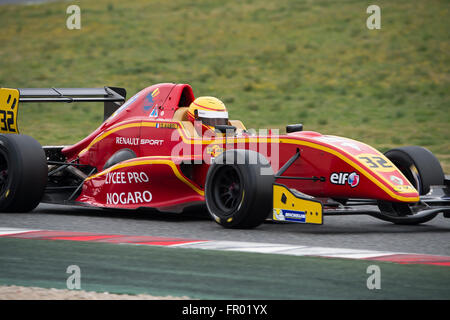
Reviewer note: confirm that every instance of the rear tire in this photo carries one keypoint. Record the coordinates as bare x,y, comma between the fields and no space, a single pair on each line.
237,194
23,173
119,156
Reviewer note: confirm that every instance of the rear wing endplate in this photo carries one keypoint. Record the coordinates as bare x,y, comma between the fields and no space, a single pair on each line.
112,97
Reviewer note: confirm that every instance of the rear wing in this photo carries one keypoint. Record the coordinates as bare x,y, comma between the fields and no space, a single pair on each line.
112,97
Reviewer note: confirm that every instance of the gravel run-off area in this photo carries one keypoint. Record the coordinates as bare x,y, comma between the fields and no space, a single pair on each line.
33,293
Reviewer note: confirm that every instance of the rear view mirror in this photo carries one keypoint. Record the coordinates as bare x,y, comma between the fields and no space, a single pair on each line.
294,128
223,128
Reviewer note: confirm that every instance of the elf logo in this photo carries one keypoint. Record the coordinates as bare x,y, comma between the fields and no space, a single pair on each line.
343,178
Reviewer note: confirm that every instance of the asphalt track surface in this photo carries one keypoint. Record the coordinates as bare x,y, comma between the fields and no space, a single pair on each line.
354,232
212,274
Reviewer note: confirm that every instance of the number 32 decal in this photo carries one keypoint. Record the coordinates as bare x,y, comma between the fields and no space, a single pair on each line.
7,121
9,105
377,162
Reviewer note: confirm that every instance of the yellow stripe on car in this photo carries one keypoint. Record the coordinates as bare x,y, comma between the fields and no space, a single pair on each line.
219,140
147,161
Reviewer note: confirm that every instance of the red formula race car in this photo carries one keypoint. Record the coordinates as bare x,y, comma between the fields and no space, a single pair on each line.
148,153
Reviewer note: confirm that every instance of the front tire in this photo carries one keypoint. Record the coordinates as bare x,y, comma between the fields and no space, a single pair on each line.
23,173
238,189
423,170
419,166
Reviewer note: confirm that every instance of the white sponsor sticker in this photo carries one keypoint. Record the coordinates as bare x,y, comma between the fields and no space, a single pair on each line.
152,142
213,114
396,180
129,197
128,141
137,141
126,177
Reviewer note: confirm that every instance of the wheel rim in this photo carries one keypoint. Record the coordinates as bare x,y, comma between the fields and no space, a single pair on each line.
404,210
417,183
399,210
227,189
411,173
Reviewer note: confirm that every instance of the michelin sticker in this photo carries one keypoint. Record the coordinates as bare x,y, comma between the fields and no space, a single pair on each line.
289,215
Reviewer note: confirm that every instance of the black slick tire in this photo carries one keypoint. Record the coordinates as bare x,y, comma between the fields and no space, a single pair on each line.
238,189
23,173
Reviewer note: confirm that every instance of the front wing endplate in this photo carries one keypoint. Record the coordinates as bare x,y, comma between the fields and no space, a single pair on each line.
293,207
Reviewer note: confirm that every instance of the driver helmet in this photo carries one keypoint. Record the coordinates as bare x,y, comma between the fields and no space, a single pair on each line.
207,112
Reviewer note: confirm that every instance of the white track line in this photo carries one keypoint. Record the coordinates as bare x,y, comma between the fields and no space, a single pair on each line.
9,231
286,249
261,247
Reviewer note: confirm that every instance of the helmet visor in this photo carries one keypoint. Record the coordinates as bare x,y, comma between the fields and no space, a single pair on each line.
213,118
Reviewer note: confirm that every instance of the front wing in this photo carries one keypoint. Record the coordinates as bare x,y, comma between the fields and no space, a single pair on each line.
290,205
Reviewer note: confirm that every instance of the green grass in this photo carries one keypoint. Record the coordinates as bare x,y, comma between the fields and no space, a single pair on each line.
272,63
